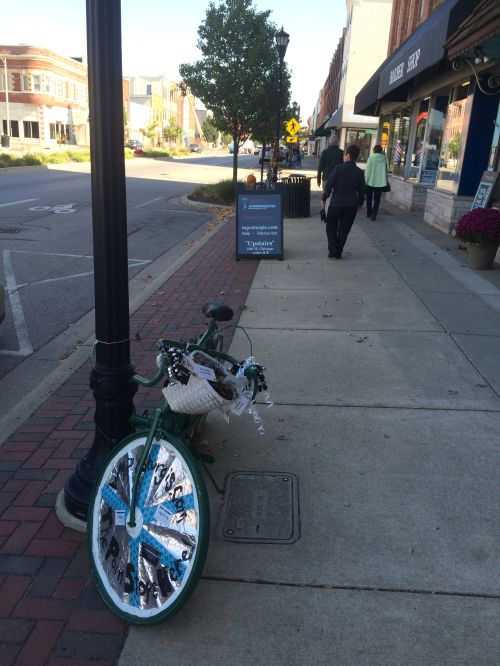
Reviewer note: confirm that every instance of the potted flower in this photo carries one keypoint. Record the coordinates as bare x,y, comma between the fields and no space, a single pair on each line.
479,231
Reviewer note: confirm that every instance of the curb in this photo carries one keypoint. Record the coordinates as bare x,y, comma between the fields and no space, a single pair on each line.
18,405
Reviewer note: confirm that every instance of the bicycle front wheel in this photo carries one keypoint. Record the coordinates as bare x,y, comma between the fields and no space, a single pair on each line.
146,572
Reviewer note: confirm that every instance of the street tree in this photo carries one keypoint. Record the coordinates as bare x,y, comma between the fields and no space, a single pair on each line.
173,131
210,131
237,76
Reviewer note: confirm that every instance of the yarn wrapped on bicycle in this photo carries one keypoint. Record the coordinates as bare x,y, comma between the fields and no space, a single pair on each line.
198,382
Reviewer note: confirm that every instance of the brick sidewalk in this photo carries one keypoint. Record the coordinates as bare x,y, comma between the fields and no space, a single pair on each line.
50,611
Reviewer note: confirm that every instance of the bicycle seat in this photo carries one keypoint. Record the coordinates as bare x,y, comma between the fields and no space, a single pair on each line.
218,311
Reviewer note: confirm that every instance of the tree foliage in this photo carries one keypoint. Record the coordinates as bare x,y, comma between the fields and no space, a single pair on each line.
210,131
237,76
173,131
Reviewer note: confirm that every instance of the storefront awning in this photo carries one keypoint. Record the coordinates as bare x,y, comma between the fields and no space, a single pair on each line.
335,120
424,48
366,101
321,131
481,27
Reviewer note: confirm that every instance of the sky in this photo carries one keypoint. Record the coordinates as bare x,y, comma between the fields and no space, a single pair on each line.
158,35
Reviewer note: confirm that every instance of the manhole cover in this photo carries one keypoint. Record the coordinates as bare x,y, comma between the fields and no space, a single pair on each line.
9,230
261,507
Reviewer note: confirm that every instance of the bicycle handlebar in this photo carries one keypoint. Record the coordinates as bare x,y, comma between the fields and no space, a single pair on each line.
250,372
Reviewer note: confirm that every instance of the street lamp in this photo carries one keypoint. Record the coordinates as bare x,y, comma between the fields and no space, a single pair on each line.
6,80
282,40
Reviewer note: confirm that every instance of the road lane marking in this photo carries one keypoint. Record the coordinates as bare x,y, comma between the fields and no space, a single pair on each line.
146,203
15,203
76,275
25,347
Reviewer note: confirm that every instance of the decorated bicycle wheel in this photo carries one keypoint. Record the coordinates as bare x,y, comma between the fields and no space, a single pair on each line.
145,573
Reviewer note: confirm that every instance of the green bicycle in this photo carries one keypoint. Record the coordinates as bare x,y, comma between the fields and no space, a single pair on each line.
148,524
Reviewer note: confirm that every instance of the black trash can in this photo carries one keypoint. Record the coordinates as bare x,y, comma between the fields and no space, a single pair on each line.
297,196
5,141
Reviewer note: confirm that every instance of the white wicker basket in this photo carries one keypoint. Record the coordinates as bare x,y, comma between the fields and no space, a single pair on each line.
199,396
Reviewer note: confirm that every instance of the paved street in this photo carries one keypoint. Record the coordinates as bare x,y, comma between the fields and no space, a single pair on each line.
46,257
383,369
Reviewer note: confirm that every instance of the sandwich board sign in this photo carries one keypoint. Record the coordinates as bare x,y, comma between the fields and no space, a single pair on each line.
259,223
485,189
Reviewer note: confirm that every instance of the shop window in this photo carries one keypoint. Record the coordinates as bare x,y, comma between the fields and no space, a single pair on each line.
398,142
31,129
14,128
494,161
418,146
433,139
362,138
449,158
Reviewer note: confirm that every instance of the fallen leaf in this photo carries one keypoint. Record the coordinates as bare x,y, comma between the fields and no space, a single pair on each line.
452,392
359,301
281,437
242,307
362,338
221,293
386,435
325,314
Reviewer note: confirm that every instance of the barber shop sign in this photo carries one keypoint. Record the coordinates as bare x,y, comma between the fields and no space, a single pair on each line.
399,71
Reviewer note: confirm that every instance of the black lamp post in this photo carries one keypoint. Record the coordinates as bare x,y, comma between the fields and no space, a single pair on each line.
282,40
111,374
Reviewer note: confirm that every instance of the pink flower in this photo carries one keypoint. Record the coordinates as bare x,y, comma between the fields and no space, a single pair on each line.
481,225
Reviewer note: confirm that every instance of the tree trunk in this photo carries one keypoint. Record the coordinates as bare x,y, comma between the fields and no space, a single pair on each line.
236,145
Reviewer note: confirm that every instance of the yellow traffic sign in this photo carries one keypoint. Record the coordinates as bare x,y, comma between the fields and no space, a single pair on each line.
292,139
292,126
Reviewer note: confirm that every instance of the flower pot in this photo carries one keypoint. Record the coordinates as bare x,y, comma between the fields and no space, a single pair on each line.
480,256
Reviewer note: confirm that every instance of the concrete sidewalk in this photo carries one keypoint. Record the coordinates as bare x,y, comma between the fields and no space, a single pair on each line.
384,369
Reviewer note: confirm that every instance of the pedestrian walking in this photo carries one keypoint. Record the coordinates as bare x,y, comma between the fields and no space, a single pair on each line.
376,181
346,184
329,159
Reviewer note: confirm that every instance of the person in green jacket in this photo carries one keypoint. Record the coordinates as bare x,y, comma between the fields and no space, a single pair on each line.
329,159
376,180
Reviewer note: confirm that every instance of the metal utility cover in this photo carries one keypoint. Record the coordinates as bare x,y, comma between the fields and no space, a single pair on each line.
261,507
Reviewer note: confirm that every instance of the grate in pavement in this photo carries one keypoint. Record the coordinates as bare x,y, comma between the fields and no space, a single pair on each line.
261,507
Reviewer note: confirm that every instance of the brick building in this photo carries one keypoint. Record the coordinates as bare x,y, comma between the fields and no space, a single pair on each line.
46,100
437,99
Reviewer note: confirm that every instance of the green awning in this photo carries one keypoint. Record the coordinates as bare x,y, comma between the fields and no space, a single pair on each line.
321,131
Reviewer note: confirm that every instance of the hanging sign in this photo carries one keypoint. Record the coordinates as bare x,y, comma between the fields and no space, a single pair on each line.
259,222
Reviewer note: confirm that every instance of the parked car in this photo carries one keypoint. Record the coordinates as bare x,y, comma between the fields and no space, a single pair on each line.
195,148
2,302
263,159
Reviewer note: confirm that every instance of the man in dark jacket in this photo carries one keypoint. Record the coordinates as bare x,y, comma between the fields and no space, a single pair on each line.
346,184
329,159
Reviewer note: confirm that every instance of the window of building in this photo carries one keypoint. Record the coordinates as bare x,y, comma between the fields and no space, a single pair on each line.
398,141
48,84
148,89
36,83
385,132
58,87
14,128
494,161
418,145
433,139
2,81
362,139
26,82
31,129
449,159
